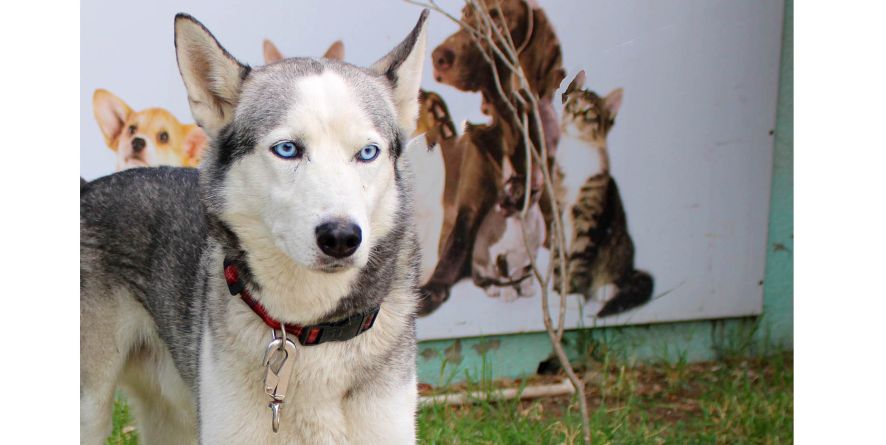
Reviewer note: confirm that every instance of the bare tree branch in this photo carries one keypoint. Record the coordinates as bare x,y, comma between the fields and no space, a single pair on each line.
496,46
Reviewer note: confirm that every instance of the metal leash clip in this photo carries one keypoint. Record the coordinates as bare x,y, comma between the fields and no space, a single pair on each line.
278,362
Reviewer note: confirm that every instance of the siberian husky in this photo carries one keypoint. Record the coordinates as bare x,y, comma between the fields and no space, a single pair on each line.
300,214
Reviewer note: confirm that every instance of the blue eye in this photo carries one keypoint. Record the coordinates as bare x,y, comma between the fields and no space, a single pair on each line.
368,153
287,150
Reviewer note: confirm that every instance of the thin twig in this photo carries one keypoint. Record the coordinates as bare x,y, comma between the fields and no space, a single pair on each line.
514,65
497,46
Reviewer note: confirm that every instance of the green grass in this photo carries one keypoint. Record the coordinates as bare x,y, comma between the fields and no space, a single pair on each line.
731,401
123,432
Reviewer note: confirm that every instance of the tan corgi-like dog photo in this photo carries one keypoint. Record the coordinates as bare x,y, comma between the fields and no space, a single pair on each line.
146,138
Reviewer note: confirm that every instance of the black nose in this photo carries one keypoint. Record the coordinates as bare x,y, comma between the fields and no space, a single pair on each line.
138,144
338,239
443,58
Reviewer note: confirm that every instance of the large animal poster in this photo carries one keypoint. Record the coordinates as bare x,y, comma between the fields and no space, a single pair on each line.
660,117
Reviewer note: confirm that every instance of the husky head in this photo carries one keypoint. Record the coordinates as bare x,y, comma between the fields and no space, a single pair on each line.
305,154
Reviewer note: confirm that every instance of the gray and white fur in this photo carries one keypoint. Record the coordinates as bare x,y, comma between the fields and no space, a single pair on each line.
156,316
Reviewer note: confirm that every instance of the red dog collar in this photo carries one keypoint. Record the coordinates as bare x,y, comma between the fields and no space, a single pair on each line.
340,330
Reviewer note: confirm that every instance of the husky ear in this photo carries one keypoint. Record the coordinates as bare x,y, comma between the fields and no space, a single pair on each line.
110,113
272,54
336,51
402,68
613,101
575,85
211,75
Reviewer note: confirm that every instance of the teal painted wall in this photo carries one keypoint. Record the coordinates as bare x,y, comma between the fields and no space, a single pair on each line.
443,361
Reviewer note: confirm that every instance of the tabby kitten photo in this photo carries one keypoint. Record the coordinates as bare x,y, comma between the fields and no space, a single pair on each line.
600,251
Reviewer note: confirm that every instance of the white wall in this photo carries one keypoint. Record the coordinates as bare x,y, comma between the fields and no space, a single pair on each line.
691,149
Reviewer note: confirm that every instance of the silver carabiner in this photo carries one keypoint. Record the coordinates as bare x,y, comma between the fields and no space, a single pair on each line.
278,362
275,414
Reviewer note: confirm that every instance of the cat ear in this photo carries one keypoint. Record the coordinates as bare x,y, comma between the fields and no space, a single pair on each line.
336,51
575,85
613,102
270,51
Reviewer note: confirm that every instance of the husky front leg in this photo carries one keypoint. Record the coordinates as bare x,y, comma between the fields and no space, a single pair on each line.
109,326
96,404
382,415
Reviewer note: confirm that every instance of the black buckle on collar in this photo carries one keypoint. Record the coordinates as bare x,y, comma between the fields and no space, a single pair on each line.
339,331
